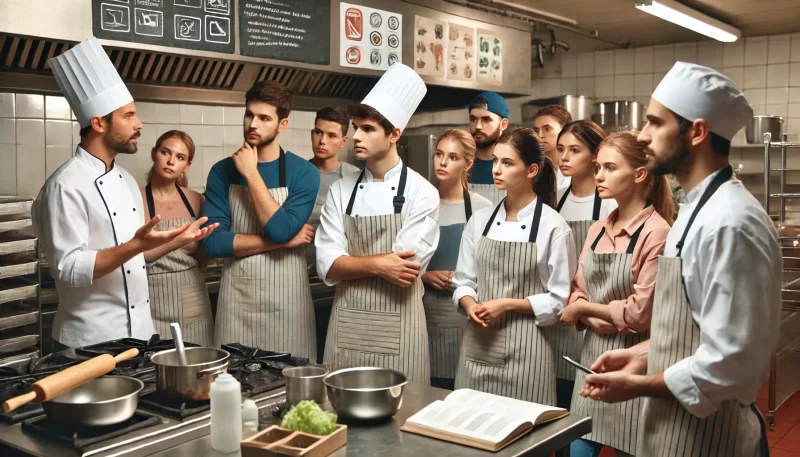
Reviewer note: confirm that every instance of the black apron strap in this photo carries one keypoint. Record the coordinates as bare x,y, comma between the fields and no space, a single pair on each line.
634,240
491,219
537,217
353,193
282,169
722,177
398,200
185,201
151,204
597,204
597,240
467,204
563,198
763,445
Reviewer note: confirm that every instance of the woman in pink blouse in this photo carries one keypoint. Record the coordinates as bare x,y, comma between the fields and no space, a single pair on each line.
612,292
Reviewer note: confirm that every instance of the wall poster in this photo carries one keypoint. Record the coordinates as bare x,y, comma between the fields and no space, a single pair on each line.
490,58
429,46
369,37
461,58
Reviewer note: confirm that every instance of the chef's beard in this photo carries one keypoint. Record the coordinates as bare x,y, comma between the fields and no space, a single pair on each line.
121,145
674,161
265,141
489,141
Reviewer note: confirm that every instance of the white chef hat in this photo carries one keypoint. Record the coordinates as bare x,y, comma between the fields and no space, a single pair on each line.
89,81
397,94
693,92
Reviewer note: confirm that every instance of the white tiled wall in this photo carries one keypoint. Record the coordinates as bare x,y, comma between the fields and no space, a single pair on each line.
38,133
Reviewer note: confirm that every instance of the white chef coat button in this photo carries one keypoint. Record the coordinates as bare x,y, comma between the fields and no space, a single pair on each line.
129,271
523,227
498,222
134,209
120,176
115,214
133,307
148,301
392,188
143,267
361,186
101,183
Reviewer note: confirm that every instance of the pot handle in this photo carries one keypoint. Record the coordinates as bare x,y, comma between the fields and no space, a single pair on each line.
212,371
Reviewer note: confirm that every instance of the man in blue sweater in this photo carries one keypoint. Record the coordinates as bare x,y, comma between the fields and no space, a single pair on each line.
262,197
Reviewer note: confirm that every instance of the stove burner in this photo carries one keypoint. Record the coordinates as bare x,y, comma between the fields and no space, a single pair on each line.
14,382
79,438
146,348
171,407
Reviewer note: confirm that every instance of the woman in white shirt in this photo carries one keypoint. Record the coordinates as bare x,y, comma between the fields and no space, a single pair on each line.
452,162
579,203
513,277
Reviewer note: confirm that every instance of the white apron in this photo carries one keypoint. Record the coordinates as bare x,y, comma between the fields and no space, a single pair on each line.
374,322
513,357
490,191
566,340
177,288
265,299
667,428
608,277
445,324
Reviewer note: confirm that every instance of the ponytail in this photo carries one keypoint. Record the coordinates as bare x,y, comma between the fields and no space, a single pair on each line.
661,196
531,149
545,183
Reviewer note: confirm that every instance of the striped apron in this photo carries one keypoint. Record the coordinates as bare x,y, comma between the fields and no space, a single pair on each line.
513,357
445,323
374,322
177,288
667,429
566,340
265,299
608,277
490,191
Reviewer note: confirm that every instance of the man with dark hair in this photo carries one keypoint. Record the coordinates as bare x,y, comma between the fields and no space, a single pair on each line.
488,119
548,123
717,303
262,197
377,234
88,215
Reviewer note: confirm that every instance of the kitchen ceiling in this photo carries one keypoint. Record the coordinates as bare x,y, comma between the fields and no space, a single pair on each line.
619,20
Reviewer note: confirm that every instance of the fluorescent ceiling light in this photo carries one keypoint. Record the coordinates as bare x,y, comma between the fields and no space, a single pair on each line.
682,15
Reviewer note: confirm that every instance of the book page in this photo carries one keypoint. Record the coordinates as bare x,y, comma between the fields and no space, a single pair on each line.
467,421
495,403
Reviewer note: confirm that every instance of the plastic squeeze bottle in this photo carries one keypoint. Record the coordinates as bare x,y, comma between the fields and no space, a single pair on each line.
226,413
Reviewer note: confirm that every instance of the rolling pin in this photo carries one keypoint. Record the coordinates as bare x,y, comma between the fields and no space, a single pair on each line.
56,384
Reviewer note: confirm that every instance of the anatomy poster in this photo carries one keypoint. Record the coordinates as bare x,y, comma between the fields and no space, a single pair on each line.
461,59
490,58
429,46
370,38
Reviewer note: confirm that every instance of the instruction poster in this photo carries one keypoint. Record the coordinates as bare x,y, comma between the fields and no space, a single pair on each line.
461,58
369,37
490,58
429,46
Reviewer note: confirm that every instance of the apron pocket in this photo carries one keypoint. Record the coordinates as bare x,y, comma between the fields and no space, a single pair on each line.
196,306
486,346
368,331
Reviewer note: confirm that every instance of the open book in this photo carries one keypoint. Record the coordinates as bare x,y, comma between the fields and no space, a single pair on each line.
480,420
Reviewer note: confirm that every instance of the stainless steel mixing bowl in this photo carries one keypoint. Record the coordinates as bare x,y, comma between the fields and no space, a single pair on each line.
102,401
366,393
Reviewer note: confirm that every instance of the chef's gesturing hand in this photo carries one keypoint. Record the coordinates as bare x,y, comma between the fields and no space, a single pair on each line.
397,269
303,237
184,234
246,160
196,232
439,279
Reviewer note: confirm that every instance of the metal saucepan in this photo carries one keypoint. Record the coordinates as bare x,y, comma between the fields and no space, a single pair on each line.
193,380
761,124
305,383
101,401
366,393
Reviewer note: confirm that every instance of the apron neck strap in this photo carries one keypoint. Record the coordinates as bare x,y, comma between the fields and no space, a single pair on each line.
151,204
398,200
282,169
634,238
537,218
595,208
564,198
722,177
467,204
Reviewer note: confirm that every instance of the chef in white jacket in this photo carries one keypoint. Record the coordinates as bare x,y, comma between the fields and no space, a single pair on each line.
716,308
378,232
88,215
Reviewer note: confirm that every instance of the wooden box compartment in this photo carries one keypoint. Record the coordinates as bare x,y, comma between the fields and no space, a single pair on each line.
277,442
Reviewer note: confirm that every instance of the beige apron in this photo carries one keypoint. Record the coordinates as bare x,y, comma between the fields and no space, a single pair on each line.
177,288
513,357
265,299
667,428
566,340
374,322
445,324
608,277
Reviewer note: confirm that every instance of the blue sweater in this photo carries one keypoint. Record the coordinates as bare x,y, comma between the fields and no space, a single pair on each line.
482,172
302,179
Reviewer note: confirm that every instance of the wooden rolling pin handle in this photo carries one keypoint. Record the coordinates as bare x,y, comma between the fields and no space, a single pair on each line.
123,356
13,403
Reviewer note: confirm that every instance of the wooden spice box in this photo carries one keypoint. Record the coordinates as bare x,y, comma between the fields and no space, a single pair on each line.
278,442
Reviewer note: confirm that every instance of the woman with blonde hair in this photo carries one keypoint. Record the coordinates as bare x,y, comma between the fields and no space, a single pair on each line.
612,292
452,162
177,289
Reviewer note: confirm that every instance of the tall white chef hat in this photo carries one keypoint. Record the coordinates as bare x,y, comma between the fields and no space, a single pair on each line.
397,94
89,81
693,92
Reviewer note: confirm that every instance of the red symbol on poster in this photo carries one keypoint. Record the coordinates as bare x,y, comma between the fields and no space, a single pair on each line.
353,55
353,24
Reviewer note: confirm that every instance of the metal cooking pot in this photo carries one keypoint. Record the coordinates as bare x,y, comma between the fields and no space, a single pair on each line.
618,116
305,383
366,393
759,125
102,401
191,381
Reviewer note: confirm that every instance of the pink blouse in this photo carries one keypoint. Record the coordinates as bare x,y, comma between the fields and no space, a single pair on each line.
632,314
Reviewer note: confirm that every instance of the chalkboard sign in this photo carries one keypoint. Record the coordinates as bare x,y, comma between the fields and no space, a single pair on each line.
296,30
205,25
